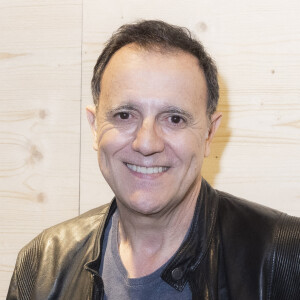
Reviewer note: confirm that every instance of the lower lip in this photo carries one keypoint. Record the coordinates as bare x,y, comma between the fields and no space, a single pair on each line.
146,176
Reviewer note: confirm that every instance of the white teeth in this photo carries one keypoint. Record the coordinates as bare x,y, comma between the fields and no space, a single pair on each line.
145,170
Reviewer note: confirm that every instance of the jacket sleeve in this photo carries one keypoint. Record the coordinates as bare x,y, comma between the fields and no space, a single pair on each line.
13,293
285,282
25,272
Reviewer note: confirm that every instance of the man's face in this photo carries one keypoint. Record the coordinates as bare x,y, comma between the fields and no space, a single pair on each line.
151,130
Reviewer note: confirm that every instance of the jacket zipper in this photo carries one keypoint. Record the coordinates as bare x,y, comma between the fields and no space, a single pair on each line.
98,290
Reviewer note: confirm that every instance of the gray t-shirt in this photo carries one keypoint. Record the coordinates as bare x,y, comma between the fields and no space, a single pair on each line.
117,285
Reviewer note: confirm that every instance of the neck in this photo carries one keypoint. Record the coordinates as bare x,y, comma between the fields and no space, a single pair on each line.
146,242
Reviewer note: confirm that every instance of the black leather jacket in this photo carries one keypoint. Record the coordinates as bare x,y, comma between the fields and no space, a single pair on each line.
235,250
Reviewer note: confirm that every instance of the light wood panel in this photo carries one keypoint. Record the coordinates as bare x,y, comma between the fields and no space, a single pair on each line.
40,88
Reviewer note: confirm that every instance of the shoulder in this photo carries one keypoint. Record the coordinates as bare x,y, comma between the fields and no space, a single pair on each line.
240,214
262,238
249,219
235,211
80,226
247,227
56,249
66,238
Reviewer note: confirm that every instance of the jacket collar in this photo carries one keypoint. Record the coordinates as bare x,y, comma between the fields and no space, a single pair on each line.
191,252
94,265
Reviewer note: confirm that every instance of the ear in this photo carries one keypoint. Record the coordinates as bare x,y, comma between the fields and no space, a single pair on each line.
91,116
215,122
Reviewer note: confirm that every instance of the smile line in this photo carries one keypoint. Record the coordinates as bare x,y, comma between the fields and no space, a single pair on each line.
146,170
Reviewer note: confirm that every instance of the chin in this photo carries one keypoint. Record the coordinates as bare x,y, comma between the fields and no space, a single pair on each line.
143,205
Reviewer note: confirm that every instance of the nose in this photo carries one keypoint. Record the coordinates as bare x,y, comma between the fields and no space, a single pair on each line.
148,139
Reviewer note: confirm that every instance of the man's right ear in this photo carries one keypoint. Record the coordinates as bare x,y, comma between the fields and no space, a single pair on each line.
91,116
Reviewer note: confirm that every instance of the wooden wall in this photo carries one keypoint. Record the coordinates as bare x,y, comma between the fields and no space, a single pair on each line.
48,169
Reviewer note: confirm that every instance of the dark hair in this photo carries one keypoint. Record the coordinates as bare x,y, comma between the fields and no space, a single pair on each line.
151,34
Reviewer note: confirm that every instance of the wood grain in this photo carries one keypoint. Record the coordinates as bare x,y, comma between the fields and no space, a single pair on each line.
40,90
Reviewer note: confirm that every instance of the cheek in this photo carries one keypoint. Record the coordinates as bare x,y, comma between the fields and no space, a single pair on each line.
190,151
109,133
191,143
110,142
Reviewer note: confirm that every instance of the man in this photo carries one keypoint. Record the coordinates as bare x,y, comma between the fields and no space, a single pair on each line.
167,234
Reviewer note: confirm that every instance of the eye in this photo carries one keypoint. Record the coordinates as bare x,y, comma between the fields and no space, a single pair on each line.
175,119
123,115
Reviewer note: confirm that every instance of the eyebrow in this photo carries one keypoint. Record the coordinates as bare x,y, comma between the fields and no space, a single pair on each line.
122,107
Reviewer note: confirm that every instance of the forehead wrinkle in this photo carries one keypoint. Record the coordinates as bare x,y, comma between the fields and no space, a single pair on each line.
136,55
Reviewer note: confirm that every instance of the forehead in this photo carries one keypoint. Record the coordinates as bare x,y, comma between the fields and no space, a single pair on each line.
173,77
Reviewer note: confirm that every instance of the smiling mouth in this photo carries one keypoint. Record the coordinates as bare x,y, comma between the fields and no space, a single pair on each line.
146,170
